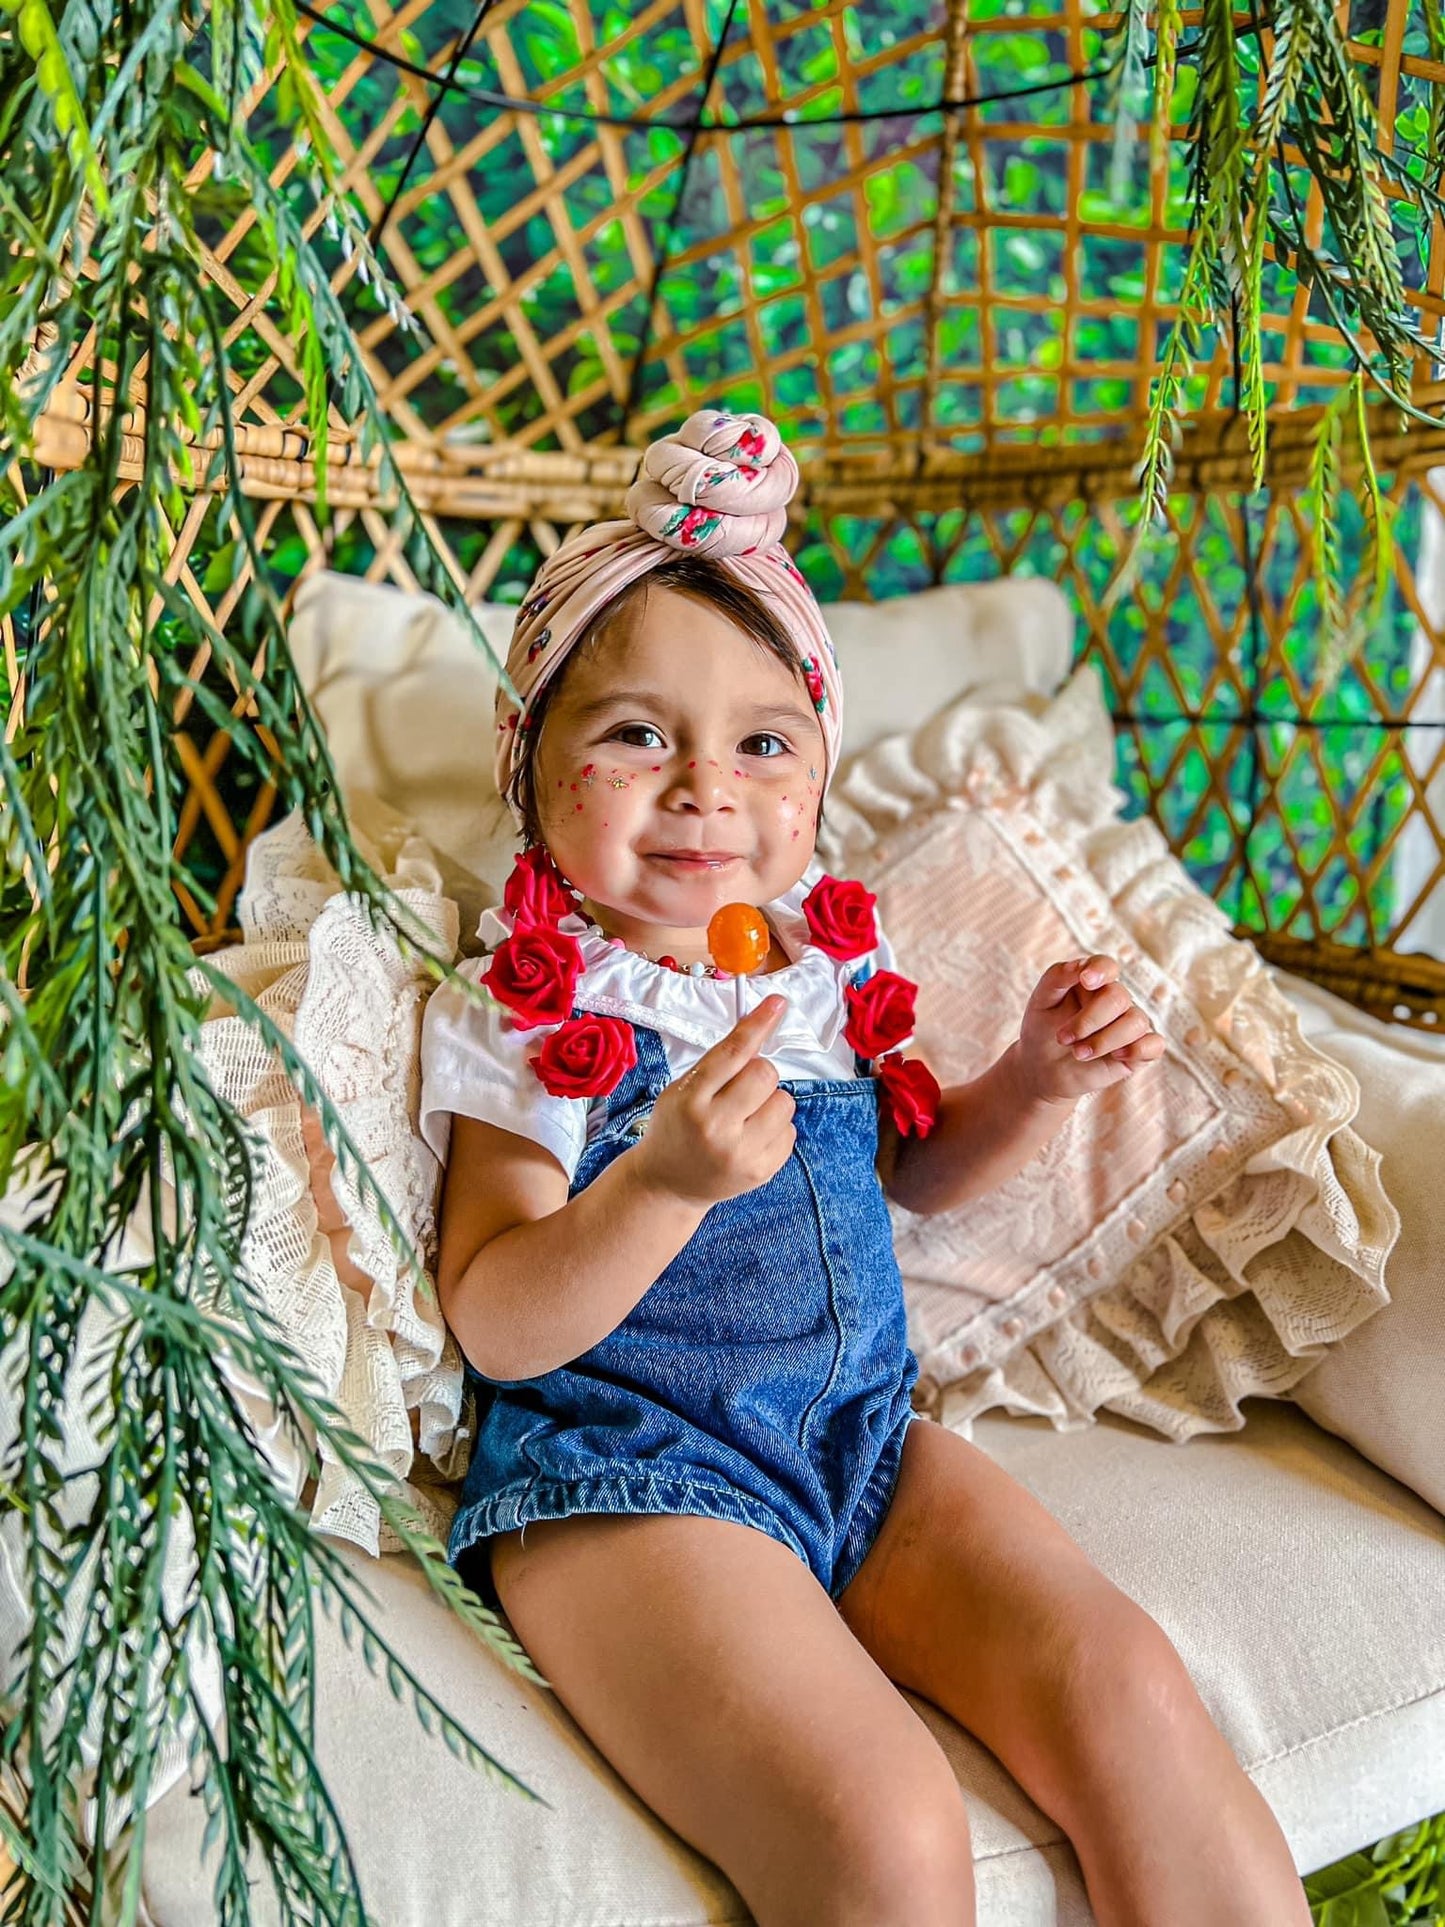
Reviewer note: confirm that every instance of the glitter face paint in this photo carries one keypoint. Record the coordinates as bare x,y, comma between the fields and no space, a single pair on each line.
708,754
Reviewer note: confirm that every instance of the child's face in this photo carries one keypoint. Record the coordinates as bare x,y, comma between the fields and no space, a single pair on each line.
704,742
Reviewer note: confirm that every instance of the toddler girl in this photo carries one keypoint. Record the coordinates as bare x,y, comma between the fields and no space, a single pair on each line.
665,1254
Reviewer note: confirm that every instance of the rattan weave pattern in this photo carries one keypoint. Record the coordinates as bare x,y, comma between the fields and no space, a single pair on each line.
960,348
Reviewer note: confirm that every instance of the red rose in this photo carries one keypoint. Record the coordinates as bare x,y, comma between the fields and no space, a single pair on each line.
586,1057
534,892
912,1091
840,917
534,972
880,1013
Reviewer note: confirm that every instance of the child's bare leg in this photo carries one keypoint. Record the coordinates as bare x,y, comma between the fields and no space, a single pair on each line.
1169,1829
707,1664
974,1596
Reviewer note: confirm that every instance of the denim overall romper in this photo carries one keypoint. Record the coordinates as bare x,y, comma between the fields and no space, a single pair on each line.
764,1377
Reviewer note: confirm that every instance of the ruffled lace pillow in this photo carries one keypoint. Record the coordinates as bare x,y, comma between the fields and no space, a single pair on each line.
1195,1235
315,1247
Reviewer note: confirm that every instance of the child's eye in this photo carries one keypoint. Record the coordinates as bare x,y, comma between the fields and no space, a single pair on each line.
766,736
633,729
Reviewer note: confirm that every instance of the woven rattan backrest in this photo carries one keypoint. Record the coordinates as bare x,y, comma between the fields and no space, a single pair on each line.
953,323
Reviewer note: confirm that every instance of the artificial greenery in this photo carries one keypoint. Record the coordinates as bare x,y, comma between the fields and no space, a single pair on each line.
106,117
106,1108
1277,110
1400,1882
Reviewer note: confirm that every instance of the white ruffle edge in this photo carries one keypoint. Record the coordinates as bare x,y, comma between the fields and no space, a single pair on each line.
351,1002
1242,1294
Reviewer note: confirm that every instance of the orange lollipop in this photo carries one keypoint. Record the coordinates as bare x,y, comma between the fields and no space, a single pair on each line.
739,939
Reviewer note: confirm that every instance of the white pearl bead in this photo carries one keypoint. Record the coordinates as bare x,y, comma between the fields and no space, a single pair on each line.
696,969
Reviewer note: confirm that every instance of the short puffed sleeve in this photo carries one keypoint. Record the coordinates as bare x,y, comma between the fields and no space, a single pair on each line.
474,1060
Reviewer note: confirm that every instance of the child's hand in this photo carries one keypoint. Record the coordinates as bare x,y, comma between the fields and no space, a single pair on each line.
725,1126
1082,1031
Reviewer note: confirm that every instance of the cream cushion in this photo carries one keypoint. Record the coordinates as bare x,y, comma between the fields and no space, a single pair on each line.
1381,1389
405,695
1193,1236
1300,1585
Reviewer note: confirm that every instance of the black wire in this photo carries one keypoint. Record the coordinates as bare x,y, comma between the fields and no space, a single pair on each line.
463,45
664,246
1256,718
489,97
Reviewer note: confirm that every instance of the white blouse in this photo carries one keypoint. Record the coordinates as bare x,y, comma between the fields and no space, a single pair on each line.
474,1059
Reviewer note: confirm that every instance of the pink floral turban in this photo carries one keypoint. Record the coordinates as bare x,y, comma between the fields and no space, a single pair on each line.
720,486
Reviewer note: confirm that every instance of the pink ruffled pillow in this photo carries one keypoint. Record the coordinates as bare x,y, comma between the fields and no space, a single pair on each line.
1194,1236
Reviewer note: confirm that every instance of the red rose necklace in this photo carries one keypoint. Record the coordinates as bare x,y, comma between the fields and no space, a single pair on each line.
534,973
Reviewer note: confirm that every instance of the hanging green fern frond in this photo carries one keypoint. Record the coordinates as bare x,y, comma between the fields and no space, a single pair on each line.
52,74
1127,96
1253,399
1169,22
106,1112
1181,350
1321,504
1335,129
1293,24
1308,106
1370,589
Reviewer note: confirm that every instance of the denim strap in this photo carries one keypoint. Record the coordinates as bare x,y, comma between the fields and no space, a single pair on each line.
641,1083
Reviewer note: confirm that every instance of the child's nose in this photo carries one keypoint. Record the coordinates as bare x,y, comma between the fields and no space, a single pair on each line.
705,784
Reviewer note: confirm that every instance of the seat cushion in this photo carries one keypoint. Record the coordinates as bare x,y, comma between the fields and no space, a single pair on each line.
1300,1584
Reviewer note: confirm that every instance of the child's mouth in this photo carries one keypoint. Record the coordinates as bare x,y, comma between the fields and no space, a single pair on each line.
680,860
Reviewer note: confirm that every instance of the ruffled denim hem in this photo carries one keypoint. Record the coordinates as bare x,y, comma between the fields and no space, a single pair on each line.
630,1490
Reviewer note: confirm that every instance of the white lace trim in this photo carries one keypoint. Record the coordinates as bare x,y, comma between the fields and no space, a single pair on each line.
352,1004
1276,1256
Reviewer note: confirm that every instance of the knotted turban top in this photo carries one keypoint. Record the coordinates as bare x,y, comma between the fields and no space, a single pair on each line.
720,486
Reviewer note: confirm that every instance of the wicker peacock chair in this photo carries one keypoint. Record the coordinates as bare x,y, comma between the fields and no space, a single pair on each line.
888,226
950,320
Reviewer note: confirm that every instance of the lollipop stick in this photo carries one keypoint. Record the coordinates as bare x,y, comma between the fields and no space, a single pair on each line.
738,938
